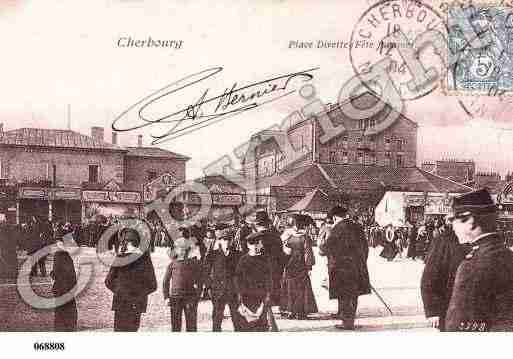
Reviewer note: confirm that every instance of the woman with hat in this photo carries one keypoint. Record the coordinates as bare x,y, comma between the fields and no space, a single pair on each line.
298,297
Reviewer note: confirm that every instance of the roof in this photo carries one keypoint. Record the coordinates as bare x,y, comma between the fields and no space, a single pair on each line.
154,152
104,186
314,201
220,184
283,178
53,138
406,179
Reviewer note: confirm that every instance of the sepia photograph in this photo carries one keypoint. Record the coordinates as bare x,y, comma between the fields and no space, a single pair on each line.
335,167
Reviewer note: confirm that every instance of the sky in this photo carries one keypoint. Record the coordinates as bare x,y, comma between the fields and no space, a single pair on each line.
60,53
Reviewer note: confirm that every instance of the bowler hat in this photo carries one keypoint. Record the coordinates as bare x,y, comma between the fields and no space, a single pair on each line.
475,202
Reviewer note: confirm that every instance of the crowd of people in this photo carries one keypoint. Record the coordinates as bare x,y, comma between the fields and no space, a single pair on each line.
251,267
254,266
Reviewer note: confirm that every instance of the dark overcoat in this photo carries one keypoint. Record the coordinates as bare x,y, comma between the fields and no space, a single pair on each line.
220,273
273,251
131,284
482,298
65,279
436,285
347,252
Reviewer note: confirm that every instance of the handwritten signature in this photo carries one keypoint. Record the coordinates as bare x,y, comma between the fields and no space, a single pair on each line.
204,111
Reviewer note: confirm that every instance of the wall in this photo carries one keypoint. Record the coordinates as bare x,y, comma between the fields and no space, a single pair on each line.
136,169
402,129
72,166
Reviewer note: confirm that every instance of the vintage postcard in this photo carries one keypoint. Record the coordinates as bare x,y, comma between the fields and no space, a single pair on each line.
255,166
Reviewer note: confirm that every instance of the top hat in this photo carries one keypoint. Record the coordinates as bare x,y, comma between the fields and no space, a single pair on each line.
475,202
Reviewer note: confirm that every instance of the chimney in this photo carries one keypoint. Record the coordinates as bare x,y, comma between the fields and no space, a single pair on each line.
97,133
114,138
139,141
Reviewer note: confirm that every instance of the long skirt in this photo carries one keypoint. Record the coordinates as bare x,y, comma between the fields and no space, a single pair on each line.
297,295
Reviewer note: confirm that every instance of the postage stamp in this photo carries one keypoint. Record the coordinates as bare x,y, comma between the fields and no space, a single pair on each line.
480,47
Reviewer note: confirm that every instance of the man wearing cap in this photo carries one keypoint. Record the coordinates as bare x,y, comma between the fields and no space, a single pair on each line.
220,266
482,298
437,281
272,249
348,274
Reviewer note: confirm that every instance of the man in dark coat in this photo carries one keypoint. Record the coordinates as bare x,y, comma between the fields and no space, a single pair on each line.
130,282
482,299
442,261
8,256
220,266
36,239
347,251
272,249
65,280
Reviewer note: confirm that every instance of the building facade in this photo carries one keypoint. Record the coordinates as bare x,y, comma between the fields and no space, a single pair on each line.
461,171
67,176
396,146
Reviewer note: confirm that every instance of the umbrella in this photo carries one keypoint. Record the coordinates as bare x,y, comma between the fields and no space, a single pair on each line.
314,201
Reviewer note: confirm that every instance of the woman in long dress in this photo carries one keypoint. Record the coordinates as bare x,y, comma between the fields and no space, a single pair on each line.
297,294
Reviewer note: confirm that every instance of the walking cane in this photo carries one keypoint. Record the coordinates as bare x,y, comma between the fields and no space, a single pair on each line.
381,299
272,320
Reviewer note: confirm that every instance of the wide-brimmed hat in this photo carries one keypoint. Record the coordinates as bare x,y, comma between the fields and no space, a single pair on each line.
475,202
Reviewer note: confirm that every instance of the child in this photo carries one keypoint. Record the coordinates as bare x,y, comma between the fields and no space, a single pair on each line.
182,285
253,282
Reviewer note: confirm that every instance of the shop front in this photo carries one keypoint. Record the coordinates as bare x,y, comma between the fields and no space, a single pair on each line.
110,204
34,201
66,205
400,208
8,195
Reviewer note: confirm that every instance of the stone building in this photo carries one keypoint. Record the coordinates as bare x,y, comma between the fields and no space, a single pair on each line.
68,176
396,146
358,165
461,171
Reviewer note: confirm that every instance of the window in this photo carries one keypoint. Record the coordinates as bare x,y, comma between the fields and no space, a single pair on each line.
388,157
372,123
345,158
1,167
387,144
280,161
333,157
360,157
400,162
93,173
370,158
152,174
360,124
366,124
399,145
54,176
344,141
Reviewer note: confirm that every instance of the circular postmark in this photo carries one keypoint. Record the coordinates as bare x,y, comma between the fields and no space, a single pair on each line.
397,29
